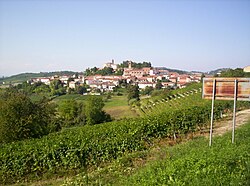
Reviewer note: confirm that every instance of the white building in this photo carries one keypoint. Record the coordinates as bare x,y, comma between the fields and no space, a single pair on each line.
111,65
247,69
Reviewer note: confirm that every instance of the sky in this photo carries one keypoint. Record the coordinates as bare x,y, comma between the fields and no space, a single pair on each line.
56,35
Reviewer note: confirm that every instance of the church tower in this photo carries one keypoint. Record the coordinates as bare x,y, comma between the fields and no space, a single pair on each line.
130,64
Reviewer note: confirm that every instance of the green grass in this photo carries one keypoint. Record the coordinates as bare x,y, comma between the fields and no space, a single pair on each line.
194,163
187,163
117,106
70,96
116,101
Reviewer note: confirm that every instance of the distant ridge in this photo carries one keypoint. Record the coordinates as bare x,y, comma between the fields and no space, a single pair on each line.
213,72
26,76
173,70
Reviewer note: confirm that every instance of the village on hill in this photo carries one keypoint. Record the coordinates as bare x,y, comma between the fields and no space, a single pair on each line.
143,75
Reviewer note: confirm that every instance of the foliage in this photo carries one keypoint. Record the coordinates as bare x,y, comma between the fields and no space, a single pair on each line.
79,147
93,111
158,85
185,163
238,72
148,90
57,87
37,87
20,118
81,89
93,71
133,92
162,93
194,163
71,112
134,64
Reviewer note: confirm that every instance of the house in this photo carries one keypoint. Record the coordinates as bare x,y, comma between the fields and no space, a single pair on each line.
143,85
64,79
173,79
111,65
173,74
136,72
142,79
72,84
43,80
184,79
167,84
246,69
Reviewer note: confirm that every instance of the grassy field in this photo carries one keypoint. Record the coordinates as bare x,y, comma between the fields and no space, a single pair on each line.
118,107
195,163
188,163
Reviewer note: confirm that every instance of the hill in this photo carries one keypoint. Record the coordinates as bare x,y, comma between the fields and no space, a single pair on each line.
213,72
26,76
172,70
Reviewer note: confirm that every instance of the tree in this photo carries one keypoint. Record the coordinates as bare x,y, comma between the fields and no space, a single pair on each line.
81,89
133,92
20,118
93,111
134,64
158,85
71,113
202,77
119,72
106,71
57,87
238,72
148,90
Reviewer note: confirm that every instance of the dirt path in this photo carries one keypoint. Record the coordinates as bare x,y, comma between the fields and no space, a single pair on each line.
221,127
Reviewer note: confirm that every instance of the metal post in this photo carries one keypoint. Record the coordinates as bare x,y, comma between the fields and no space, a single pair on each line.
234,114
212,112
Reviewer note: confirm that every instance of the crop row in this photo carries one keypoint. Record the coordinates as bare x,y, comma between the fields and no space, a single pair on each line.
77,148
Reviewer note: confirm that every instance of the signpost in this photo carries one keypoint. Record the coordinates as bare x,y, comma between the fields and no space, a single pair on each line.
225,89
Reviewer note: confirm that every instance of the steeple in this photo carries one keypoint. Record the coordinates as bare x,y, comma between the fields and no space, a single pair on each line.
130,64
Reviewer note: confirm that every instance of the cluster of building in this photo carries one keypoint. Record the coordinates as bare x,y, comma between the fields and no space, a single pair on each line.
143,77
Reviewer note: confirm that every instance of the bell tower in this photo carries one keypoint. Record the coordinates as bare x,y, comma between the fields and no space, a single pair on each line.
130,64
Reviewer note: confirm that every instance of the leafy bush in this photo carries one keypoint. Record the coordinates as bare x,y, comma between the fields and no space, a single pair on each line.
20,118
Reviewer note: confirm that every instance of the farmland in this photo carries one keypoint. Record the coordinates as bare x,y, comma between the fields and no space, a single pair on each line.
195,163
116,106
190,162
82,149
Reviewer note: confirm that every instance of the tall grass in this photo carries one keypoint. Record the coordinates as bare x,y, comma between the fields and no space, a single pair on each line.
194,163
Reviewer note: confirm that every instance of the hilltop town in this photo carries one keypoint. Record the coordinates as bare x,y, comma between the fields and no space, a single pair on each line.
141,74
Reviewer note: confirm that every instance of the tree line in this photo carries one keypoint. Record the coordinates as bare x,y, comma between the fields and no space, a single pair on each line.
110,71
21,118
238,72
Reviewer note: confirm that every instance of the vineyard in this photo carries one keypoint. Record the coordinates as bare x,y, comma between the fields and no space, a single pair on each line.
175,99
75,149
196,164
